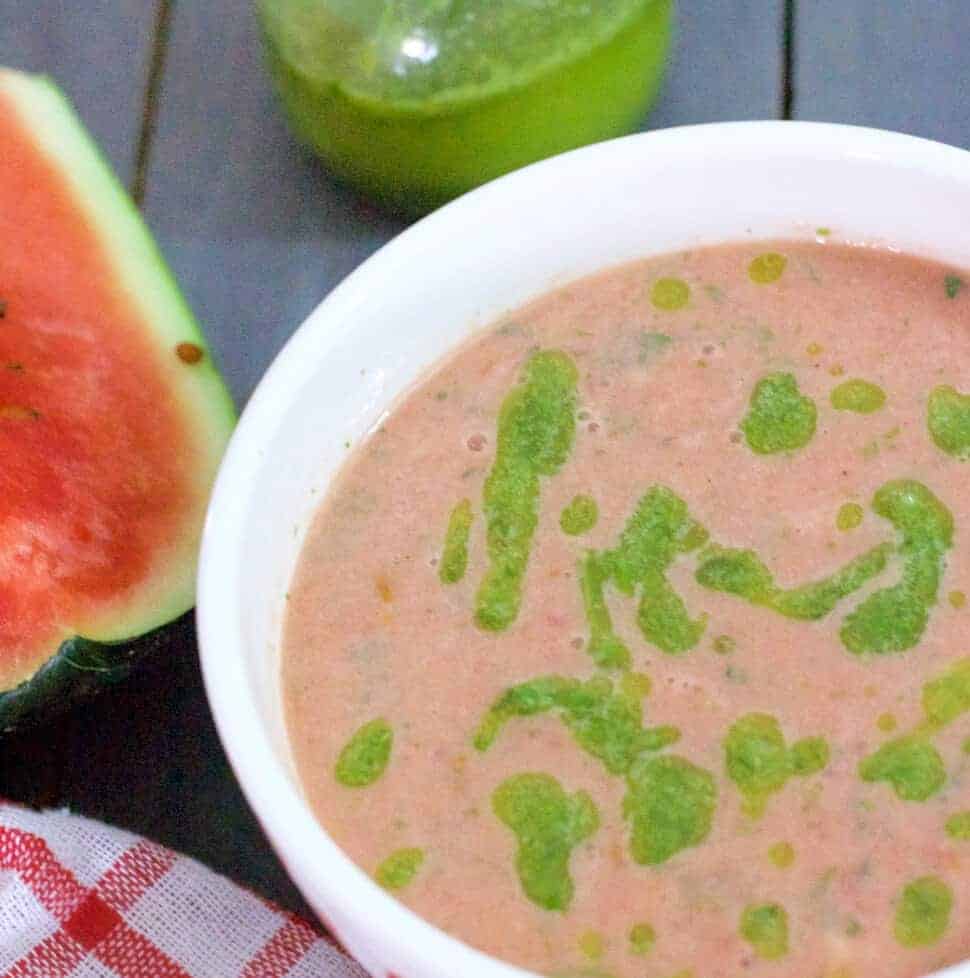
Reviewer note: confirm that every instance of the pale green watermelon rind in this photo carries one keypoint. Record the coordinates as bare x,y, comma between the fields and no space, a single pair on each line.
141,272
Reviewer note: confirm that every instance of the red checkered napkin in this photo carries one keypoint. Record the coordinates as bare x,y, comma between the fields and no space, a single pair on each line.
81,900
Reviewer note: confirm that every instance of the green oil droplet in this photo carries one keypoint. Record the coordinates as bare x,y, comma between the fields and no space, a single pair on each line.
579,516
767,268
782,854
886,723
947,697
724,645
365,756
850,516
859,396
780,418
399,869
923,912
948,418
592,944
765,928
642,939
958,826
958,599
636,684
670,294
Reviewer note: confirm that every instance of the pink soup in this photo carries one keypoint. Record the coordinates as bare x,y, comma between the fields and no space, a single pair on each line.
634,643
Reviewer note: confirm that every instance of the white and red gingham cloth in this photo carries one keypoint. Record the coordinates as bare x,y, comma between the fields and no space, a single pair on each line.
81,900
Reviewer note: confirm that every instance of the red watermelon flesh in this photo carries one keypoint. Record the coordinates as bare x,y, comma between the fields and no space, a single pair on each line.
112,416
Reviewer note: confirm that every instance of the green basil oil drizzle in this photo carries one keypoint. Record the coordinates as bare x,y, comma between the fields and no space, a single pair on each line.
911,764
658,531
454,558
958,826
365,756
399,869
953,285
536,427
765,928
893,619
760,763
743,574
948,419
670,803
548,824
780,418
923,912
579,516
606,723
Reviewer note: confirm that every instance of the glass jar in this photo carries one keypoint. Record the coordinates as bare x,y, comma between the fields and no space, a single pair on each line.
416,101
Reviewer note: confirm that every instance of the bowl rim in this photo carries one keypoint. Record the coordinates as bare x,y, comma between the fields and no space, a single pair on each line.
290,825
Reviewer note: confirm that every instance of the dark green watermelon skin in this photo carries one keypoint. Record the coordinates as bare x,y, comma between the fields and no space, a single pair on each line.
81,668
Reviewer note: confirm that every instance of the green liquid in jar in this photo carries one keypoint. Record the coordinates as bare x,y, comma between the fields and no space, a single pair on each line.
416,101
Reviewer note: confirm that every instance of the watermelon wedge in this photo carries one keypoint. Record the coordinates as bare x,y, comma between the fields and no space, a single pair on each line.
113,417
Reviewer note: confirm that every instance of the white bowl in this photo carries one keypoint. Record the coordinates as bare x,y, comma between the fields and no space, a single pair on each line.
379,331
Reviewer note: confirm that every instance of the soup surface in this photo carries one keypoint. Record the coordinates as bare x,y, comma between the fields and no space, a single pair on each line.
634,642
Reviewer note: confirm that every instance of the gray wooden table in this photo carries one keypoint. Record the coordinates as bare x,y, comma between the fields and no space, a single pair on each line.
258,234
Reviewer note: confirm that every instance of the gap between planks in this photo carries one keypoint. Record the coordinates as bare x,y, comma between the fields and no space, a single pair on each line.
149,115
788,59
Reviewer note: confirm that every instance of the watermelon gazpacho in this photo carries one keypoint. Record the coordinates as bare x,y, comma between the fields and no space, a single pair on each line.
632,643
112,415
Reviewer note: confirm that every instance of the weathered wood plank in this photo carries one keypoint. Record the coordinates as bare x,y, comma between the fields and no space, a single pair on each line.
902,65
99,55
255,229
727,64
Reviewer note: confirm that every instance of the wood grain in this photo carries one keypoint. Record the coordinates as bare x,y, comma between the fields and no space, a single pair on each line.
902,65
727,64
99,53
256,230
